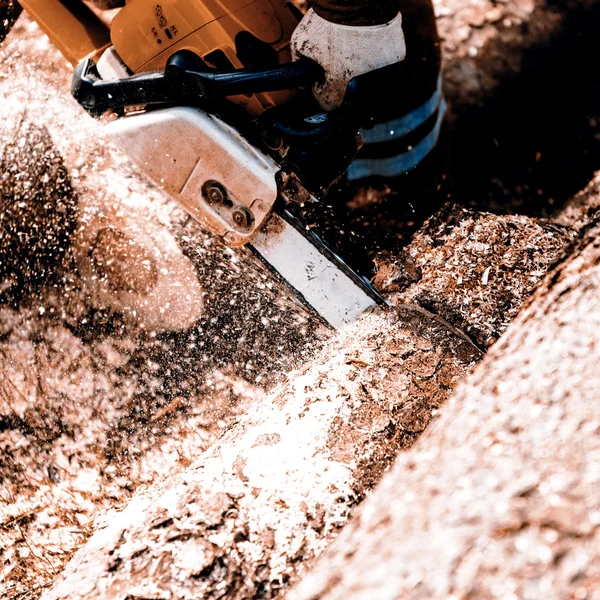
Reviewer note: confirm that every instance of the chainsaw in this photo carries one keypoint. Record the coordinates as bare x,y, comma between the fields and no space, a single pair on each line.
247,111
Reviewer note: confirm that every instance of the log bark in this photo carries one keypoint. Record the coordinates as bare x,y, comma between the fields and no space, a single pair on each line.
277,487
254,512
579,211
502,497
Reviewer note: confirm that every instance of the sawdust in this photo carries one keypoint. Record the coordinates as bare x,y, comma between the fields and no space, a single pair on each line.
294,465
476,269
35,182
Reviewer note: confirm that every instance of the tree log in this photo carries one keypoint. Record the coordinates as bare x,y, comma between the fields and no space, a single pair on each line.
578,212
255,511
502,497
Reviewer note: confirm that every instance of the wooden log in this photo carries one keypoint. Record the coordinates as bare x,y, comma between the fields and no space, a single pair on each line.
578,212
279,484
502,497
254,512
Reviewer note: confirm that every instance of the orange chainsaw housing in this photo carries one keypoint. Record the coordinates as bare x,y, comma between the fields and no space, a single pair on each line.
145,33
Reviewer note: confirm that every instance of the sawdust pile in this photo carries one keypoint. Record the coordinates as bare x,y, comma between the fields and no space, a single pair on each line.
476,270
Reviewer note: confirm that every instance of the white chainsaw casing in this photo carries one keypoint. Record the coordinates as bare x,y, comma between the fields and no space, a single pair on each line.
181,149
346,51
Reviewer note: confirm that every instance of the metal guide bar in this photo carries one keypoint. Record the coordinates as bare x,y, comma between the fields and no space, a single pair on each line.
322,279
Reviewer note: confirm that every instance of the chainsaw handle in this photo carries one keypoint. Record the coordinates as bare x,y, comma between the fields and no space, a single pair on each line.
97,96
186,80
186,68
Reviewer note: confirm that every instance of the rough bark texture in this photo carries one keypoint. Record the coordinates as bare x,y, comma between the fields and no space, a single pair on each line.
502,497
583,207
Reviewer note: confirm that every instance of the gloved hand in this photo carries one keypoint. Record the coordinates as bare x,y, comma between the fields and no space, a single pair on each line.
354,37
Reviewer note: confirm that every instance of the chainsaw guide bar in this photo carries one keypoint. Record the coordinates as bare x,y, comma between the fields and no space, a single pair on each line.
319,276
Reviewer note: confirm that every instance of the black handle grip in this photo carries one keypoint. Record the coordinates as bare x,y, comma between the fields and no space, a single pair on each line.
186,80
187,69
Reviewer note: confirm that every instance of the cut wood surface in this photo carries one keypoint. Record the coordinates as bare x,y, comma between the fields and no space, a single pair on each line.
502,497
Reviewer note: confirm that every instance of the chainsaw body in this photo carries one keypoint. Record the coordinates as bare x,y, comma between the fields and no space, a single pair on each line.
214,110
145,33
